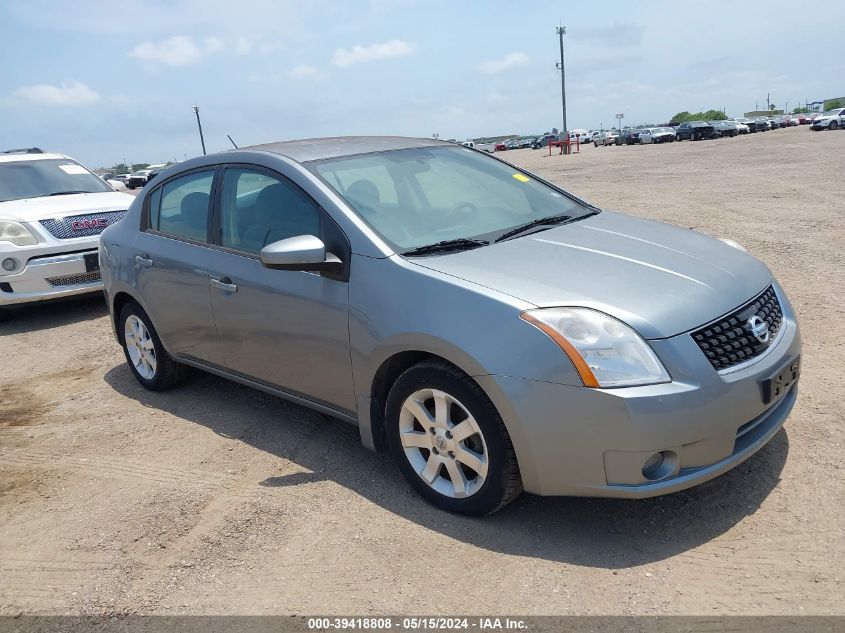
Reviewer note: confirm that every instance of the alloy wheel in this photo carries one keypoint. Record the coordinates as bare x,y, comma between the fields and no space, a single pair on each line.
140,346
443,443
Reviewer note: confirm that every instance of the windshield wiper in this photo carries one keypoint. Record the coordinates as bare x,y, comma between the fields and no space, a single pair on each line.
549,221
460,244
65,193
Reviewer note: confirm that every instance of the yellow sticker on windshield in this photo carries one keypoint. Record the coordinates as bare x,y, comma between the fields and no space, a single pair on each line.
521,177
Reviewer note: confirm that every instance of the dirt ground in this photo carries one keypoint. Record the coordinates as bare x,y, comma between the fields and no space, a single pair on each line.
218,499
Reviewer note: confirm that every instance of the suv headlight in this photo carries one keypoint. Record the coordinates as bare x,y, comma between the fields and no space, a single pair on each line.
16,233
605,351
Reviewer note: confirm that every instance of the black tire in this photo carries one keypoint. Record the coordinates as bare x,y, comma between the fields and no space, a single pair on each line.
168,373
502,484
833,125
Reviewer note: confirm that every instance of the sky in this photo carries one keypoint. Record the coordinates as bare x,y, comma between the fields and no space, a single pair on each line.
106,82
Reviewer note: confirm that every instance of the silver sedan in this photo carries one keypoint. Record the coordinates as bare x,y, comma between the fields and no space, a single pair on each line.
492,331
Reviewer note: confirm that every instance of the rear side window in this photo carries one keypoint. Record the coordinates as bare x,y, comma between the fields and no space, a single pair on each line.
259,209
180,206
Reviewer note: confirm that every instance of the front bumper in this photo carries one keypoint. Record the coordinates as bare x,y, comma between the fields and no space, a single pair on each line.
50,277
577,441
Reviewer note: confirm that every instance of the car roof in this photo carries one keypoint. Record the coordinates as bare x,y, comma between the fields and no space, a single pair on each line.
19,156
309,149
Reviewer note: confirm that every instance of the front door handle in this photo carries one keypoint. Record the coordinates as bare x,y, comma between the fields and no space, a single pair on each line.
225,284
143,261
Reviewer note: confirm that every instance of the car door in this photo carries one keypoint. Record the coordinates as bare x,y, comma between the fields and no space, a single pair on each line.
171,264
285,328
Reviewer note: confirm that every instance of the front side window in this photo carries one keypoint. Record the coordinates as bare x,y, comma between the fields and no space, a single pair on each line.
443,193
22,179
259,209
180,206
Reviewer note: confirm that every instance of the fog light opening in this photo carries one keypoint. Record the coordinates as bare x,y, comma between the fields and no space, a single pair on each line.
9,264
659,465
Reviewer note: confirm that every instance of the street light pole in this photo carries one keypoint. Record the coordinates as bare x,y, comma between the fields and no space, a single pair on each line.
199,125
561,31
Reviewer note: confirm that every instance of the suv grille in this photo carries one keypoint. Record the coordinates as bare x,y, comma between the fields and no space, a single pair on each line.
729,341
74,280
81,225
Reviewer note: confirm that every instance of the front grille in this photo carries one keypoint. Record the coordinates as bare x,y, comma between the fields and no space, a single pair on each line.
729,341
81,225
74,280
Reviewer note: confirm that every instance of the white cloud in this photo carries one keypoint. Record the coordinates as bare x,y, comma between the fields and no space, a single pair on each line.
70,93
305,71
179,50
508,62
213,45
243,46
357,54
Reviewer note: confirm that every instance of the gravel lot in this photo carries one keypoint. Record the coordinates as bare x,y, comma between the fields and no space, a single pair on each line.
218,499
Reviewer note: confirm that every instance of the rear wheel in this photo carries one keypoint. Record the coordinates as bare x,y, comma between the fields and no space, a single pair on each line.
150,363
450,442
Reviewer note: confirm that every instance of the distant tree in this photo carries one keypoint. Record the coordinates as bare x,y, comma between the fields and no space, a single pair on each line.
832,104
800,110
120,168
709,115
137,166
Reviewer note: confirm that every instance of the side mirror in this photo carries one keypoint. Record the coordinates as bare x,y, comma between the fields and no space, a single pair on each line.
303,252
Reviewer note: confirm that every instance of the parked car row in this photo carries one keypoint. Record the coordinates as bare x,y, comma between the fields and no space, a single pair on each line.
689,130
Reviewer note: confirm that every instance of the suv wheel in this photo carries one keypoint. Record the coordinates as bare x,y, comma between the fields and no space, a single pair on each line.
833,125
146,356
450,442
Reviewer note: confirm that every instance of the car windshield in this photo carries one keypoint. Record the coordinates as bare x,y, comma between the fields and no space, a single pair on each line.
46,177
422,196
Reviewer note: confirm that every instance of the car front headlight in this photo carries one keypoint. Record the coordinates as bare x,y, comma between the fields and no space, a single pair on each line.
16,233
605,351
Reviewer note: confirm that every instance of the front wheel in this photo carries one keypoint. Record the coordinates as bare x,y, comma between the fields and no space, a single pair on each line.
450,442
149,361
833,125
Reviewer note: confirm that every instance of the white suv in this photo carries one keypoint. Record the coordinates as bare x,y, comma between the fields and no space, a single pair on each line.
829,120
52,211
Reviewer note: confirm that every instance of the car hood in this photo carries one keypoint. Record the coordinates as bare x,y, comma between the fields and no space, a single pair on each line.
34,209
660,279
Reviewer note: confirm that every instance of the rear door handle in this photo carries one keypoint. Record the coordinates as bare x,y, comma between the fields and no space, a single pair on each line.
143,260
223,283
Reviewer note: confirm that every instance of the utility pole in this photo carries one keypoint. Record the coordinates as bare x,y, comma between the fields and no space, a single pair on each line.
561,31
199,125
